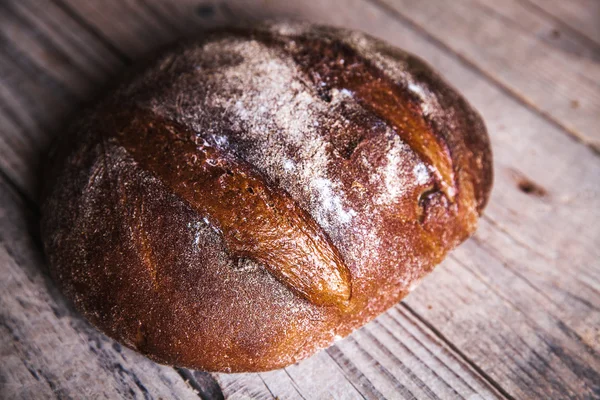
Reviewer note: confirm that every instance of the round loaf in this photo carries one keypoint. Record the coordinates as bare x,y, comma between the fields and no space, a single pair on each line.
249,197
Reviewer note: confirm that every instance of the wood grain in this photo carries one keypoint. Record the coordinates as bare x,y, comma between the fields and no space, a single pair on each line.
513,313
580,15
394,355
531,20
46,59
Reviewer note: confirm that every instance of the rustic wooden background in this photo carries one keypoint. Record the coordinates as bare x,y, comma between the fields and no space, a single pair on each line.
513,313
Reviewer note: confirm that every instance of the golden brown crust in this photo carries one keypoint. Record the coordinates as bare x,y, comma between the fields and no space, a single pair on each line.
253,195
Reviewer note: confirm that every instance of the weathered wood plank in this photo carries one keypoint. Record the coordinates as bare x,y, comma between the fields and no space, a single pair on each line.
396,355
44,55
388,358
46,59
515,268
562,87
523,16
580,15
146,29
47,350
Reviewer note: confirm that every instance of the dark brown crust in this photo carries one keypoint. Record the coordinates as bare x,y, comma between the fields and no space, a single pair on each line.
252,196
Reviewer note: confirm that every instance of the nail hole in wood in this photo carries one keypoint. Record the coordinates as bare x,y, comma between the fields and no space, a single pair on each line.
529,187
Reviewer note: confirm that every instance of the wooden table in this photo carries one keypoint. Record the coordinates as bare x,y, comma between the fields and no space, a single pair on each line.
513,313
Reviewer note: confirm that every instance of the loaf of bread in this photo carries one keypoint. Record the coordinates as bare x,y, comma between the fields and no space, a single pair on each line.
247,198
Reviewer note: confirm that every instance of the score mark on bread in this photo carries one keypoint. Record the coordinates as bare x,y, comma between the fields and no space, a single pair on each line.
334,65
256,221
